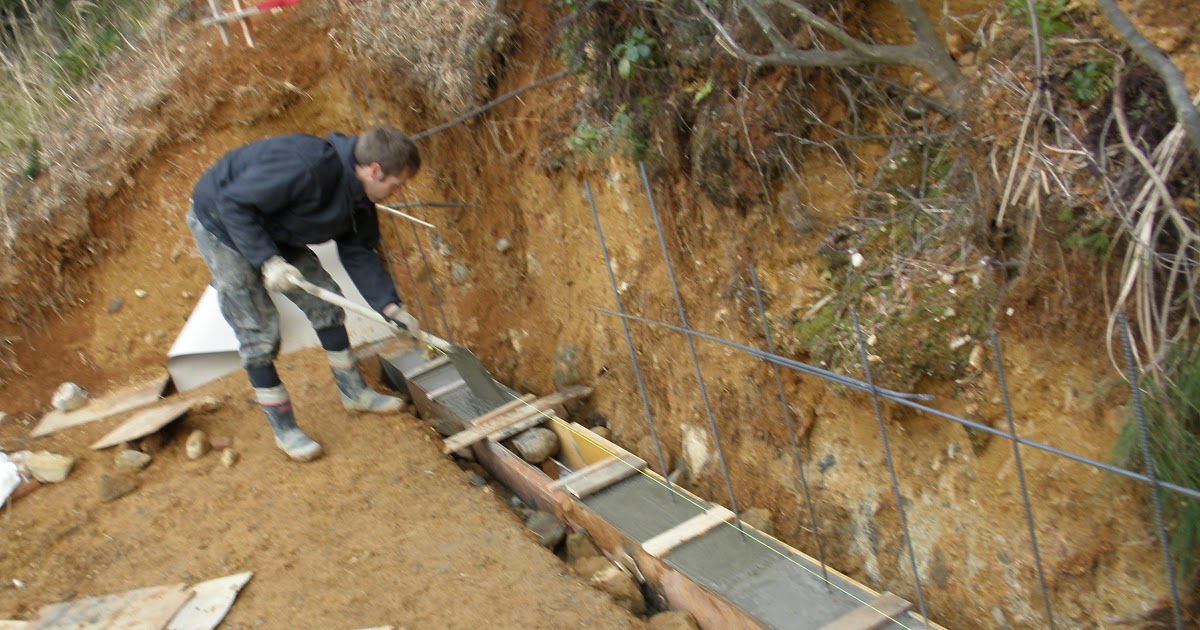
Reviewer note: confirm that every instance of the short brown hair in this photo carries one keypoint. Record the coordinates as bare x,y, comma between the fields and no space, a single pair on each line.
388,146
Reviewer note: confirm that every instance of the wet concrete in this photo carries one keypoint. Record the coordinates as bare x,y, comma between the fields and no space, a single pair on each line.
642,508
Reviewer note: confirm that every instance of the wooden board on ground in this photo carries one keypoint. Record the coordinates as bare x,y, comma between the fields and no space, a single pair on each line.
144,423
530,411
141,609
108,405
876,614
602,474
694,527
210,603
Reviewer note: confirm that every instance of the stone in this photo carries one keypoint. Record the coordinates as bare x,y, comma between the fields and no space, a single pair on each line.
647,450
130,460
549,529
476,479
589,567
503,245
459,273
828,462
229,457
69,397
152,443
140,293
623,589
536,445
760,519
566,366
3,418
603,432
197,444
114,305
447,426
220,442
673,620
113,488
208,404
48,467
976,358
580,546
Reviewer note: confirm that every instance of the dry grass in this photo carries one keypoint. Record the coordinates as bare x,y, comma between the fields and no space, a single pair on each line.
450,47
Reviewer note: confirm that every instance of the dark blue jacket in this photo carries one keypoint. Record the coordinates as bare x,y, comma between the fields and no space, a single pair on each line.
278,195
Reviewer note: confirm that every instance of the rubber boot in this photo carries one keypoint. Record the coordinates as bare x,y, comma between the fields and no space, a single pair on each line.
356,396
277,407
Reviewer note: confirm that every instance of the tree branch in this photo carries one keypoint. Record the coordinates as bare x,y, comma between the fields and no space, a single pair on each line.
1177,89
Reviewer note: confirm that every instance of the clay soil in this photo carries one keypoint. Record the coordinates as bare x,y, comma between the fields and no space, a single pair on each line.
383,530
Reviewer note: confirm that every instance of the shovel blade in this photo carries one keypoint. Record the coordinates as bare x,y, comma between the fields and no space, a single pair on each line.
475,376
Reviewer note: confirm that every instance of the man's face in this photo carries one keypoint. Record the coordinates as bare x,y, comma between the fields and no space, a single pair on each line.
379,186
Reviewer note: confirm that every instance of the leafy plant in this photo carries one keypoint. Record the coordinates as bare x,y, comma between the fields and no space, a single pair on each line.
33,165
1090,81
637,49
1172,414
1051,17
618,136
700,92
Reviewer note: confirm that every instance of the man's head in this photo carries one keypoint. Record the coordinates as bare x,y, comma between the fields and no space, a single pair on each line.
384,158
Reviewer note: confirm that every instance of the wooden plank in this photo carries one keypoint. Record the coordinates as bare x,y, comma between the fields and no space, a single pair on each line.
501,410
210,603
877,613
602,474
106,406
480,430
446,389
144,423
502,427
426,367
141,609
593,447
694,527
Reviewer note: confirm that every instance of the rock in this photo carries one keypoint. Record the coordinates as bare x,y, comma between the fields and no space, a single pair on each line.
69,397
580,546
589,567
549,529
220,442
152,443
3,418
827,463
459,273
113,488
114,305
566,366
536,445
503,245
999,617
447,426
229,457
208,404
856,260
646,449
673,620
47,467
959,342
603,432
976,358
130,460
140,293
760,519
476,479
623,589
197,444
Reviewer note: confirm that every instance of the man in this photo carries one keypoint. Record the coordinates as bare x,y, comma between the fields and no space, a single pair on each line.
253,215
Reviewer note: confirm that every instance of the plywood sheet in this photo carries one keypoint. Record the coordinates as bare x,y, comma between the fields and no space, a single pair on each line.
141,609
144,423
210,603
106,406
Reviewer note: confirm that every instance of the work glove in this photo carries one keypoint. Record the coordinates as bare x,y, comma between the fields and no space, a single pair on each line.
279,275
401,316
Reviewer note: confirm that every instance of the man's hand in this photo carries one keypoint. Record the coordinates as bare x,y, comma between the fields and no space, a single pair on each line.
400,315
278,275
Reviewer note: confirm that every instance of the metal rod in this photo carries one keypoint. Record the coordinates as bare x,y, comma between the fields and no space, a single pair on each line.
712,423
367,99
362,122
403,215
637,370
787,418
437,300
902,400
1012,428
1148,462
887,453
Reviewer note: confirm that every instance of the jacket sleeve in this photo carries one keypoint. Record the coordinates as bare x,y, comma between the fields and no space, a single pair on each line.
261,190
358,252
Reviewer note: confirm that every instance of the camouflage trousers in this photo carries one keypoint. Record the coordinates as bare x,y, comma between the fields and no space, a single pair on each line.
244,300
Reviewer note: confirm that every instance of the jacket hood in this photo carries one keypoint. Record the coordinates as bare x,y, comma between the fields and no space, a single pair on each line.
344,145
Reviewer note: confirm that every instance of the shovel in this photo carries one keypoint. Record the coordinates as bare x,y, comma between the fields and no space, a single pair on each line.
468,366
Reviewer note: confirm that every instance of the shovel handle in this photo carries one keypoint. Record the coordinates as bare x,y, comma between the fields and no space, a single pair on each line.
350,305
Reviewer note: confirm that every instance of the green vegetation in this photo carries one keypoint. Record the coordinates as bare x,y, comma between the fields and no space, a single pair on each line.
636,50
1172,412
1051,17
1090,81
598,143
47,53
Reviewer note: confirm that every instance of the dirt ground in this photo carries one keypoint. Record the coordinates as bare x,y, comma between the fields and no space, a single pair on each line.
387,530
383,530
